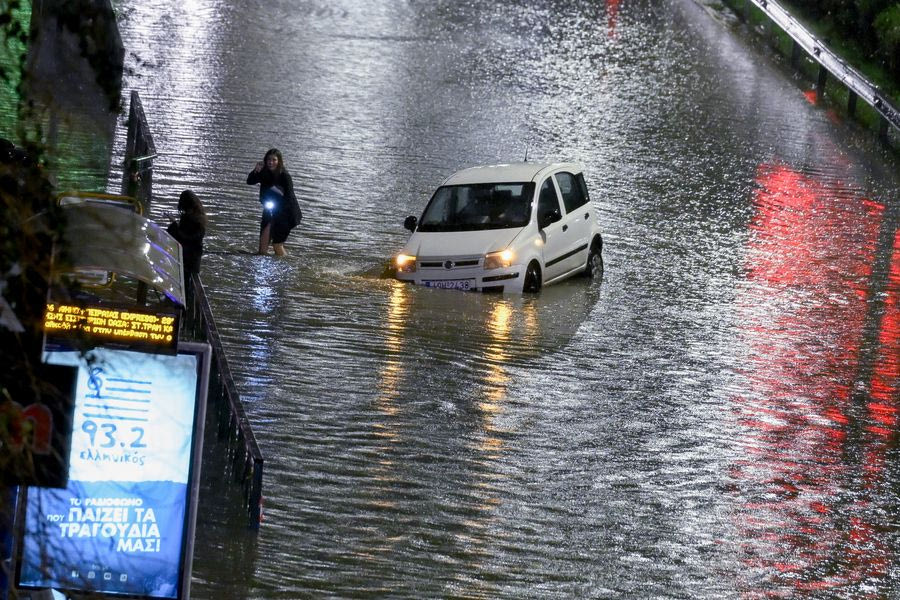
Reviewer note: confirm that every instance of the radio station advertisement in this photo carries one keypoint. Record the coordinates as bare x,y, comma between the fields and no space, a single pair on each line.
119,525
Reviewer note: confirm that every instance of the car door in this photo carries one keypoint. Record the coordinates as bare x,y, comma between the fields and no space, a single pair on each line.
555,242
576,219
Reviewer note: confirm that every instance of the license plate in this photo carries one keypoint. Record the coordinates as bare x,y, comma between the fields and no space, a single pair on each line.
449,284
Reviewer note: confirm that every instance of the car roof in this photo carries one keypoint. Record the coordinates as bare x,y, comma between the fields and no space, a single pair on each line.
509,172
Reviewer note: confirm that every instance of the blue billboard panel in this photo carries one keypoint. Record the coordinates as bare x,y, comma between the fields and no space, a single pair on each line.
124,523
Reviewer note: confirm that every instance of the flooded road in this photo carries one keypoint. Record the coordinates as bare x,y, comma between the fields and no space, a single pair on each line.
717,418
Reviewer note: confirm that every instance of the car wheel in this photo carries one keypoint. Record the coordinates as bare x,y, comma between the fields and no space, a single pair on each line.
532,282
594,266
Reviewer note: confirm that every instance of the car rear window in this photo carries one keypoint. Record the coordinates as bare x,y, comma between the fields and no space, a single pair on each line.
574,193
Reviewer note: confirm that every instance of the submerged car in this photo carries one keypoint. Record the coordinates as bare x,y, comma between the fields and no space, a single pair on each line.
504,228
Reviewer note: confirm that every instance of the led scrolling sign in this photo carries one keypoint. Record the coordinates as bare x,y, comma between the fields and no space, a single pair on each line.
112,326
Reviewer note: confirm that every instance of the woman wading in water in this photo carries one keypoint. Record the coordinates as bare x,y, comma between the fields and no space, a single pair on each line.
281,212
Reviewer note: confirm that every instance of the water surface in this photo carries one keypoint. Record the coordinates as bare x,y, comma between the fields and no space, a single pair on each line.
717,418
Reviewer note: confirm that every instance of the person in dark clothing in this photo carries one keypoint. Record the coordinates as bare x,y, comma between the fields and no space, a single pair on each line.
189,230
281,212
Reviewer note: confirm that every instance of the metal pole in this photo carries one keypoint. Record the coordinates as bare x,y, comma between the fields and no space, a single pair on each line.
820,82
796,53
851,103
255,504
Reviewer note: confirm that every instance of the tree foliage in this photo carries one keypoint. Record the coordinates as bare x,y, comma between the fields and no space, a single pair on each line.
90,22
31,223
98,42
25,188
887,30
871,25
26,243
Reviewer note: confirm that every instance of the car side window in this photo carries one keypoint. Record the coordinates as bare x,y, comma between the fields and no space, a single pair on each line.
548,200
583,186
572,193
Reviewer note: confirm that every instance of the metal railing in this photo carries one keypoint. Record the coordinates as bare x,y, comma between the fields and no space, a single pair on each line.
857,85
246,461
234,426
140,150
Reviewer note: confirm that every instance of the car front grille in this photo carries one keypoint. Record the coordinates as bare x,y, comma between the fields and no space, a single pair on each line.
449,264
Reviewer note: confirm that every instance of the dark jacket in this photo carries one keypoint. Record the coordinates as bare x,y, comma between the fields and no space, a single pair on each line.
189,232
287,214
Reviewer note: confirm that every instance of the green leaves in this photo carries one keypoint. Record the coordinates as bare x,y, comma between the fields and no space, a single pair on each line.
887,32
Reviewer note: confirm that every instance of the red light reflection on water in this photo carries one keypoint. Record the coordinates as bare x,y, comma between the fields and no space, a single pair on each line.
612,15
812,96
814,462
886,374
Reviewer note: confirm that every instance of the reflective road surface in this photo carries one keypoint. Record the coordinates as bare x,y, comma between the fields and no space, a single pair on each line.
717,419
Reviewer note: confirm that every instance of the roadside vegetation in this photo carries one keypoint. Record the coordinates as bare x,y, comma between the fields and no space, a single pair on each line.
866,33
26,187
28,246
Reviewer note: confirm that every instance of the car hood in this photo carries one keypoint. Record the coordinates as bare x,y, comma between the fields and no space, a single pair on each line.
460,243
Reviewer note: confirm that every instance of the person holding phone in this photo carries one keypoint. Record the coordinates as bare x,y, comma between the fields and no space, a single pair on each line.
189,230
281,212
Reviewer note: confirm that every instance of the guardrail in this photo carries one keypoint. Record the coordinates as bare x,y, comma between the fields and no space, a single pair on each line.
857,85
234,426
140,150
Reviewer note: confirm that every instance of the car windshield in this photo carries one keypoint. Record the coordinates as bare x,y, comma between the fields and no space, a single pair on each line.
478,206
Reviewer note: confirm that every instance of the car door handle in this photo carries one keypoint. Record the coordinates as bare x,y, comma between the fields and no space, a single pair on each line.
565,227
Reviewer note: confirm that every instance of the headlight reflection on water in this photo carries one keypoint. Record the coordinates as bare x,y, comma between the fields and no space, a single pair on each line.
392,371
496,355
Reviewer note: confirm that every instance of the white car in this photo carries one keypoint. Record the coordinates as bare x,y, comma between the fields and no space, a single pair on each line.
504,228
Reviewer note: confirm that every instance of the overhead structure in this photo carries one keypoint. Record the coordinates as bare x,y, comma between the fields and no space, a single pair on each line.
105,238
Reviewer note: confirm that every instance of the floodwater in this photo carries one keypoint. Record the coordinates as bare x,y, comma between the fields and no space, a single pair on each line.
717,418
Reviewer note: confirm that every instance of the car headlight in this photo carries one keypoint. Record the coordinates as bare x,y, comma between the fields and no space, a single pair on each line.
405,263
497,260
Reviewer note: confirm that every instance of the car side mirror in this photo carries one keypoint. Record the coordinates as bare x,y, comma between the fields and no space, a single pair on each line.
549,216
410,223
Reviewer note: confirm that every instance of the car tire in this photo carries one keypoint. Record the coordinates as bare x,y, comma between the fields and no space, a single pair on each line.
532,283
593,268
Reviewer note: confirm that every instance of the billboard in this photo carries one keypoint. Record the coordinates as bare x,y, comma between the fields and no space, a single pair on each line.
124,524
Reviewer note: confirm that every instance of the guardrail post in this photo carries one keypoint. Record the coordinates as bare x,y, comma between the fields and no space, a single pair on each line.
256,497
796,53
820,82
140,150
